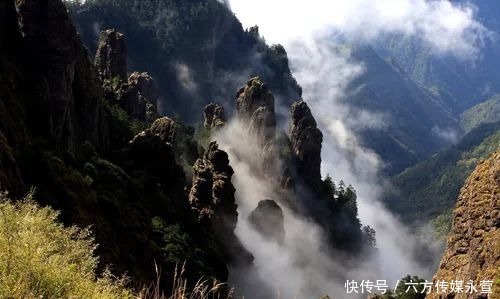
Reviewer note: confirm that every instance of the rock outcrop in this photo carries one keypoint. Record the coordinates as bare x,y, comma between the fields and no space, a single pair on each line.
306,141
255,110
473,249
255,106
138,97
214,115
111,55
212,201
62,94
138,94
165,129
212,193
153,149
267,218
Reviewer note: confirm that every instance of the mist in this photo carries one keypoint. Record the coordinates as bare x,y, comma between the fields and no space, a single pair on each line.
313,33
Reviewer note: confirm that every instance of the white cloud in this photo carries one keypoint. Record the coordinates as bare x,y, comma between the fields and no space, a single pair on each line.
447,27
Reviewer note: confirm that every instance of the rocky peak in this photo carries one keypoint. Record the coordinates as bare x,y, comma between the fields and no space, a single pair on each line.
473,248
267,218
212,193
164,128
144,84
138,94
111,55
142,97
214,115
212,200
255,105
306,141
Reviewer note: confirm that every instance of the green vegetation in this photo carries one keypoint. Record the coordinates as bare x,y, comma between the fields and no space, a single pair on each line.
40,258
343,224
429,189
409,287
199,40
485,112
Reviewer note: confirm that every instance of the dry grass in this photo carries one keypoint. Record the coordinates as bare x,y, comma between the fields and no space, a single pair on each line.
40,258
203,289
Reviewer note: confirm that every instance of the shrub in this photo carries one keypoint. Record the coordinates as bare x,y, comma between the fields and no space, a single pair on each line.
40,258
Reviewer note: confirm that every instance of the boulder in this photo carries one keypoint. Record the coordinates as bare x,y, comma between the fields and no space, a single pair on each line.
267,219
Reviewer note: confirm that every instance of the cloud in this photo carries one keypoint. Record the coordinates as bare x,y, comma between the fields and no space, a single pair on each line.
186,79
325,69
449,135
446,27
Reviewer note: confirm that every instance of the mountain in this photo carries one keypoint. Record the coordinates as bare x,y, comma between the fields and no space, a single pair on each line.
461,82
415,122
87,138
473,245
429,189
196,50
86,157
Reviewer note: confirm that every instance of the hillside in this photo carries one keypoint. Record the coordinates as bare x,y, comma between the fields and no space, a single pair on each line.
412,117
460,82
485,112
197,51
474,242
430,188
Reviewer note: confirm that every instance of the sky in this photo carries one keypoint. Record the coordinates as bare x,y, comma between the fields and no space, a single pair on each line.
448,28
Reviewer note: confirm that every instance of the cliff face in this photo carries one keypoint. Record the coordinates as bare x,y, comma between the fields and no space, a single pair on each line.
473,248
68,109
255,106
306,141
49,88
212,201
212,193
111,55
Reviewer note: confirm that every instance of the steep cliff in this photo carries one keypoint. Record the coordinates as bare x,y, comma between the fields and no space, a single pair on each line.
48,83
111,55
473,248
212,201
306,141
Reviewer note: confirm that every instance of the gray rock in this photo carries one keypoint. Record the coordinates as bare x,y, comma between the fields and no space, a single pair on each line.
215,116
306,141
267,218
111,55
